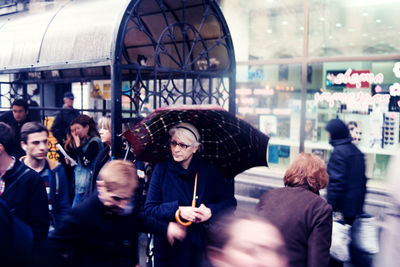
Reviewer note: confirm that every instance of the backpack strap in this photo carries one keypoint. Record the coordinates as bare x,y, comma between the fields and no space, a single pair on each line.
16,180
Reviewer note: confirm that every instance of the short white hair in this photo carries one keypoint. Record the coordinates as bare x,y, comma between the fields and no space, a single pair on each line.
186,131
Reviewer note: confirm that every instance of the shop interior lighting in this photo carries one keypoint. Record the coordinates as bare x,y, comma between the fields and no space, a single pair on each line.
243,91
263,111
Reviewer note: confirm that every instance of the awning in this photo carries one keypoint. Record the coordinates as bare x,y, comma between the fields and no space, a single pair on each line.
66,34
83,34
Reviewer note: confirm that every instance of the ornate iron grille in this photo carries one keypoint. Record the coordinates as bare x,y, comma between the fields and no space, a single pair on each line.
179,63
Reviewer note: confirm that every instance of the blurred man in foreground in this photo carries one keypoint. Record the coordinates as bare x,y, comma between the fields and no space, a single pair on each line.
103,230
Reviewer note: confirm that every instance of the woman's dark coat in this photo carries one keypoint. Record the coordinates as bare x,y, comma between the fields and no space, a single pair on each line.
305,221
101,159
172,186
346,169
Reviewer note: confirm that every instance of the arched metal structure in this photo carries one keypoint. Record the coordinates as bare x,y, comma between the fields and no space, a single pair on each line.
154,52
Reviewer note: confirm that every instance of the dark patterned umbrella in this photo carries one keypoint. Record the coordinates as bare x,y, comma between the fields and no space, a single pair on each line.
229,142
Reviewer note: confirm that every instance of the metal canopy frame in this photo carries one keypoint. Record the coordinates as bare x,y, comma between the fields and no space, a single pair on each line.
168,51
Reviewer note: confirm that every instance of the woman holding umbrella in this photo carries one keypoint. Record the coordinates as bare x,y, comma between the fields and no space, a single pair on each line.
187,189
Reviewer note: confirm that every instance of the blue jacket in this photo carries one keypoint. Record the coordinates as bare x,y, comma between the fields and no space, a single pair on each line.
172,186
346,169
59,195
87,153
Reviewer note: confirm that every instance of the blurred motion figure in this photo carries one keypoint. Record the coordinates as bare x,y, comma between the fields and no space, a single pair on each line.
245,241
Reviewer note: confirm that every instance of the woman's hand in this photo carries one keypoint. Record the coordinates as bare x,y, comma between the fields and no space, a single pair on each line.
202,213
188,213
196,215
76,138
175,231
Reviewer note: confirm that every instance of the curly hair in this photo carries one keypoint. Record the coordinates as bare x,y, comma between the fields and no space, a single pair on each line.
307,169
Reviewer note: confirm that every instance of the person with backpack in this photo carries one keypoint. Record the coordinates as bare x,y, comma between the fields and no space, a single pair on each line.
34,137
23,190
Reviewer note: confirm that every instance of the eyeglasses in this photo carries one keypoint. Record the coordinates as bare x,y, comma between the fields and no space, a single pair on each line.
180,145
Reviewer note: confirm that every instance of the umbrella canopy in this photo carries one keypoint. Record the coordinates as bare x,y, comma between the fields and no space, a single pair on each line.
229,142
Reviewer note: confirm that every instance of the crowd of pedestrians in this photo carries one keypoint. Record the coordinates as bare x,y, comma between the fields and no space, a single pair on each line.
55,214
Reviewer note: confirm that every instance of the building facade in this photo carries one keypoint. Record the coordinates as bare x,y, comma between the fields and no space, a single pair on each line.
301,63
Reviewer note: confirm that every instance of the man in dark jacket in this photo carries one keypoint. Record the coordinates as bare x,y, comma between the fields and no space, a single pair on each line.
22,188
59,129
346,169
63,118
34,137
16,118
103,230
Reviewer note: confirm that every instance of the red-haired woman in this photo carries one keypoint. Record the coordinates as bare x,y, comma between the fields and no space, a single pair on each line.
303,217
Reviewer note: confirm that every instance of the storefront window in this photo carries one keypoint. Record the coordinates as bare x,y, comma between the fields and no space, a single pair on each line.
270,100
365,95
268,38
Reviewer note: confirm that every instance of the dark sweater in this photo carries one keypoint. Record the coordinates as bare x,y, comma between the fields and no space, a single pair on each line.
25,195
92,236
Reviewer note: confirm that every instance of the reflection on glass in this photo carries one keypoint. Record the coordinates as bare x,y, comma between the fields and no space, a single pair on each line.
265,29
352,28
366,107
